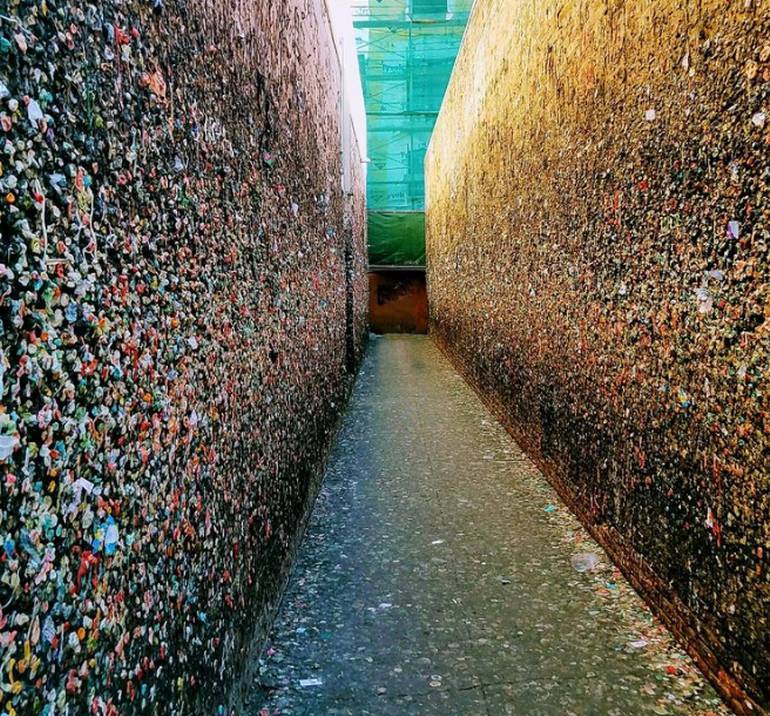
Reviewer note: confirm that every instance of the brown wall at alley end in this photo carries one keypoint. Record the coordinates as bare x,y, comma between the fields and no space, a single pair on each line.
598,192
398,302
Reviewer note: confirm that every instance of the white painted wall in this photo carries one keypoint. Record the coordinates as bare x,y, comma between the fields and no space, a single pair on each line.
340,20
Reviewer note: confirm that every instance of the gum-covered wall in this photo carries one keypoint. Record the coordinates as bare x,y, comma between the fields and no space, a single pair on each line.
598,204
182,308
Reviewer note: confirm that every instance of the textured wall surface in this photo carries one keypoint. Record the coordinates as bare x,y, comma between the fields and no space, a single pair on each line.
178,330
598,191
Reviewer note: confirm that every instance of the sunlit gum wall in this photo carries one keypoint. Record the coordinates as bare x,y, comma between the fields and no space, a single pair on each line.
598,214
182,302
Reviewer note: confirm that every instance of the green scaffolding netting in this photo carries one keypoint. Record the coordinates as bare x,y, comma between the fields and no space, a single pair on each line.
406,51
397,238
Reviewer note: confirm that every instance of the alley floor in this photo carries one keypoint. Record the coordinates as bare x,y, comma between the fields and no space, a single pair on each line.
441,574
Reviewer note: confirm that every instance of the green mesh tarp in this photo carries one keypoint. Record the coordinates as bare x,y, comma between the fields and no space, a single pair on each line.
397,238
406,51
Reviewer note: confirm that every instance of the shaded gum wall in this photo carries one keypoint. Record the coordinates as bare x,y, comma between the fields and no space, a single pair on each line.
597,242
183,301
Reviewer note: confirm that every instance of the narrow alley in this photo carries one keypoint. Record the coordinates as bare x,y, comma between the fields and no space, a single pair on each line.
372,357
440,575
